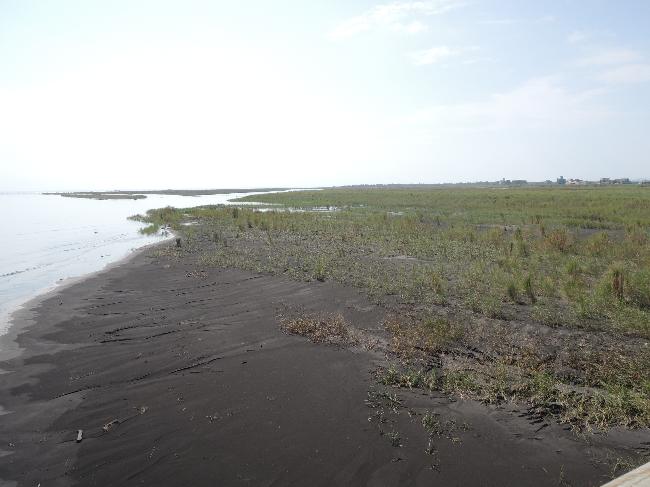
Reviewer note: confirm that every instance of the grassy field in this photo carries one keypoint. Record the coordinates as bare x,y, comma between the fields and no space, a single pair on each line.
537,295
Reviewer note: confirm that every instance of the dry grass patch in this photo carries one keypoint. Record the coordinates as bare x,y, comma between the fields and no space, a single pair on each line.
329,328
410,338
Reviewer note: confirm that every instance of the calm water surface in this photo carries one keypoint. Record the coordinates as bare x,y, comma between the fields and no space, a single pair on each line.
48,238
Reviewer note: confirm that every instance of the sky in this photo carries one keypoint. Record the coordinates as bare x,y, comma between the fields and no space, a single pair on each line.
138,94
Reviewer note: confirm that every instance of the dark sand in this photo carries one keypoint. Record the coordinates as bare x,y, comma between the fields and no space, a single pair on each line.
198,387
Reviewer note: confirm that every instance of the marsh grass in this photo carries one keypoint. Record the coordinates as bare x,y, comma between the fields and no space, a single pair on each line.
408,377
447,263
157,218
432,334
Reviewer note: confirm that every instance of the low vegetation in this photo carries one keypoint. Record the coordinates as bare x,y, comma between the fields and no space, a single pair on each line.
540,295
320,328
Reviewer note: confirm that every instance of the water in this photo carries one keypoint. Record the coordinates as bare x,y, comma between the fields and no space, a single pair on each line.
48,238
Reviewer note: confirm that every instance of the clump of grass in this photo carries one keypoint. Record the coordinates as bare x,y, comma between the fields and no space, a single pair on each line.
512,291
487,305
552,317
612,284
598,244
394,438
220,237
433,334
529,289
437,283
637,236
520,246
434,427
494,237
431,424
638,288
573,268
409,378
159,217
321,328
558,239
320,270
460,382
384,400
612,404
618,281
541,386
621,465
442,330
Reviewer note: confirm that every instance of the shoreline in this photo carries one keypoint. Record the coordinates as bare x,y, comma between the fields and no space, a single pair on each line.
18,318
34,286
179,375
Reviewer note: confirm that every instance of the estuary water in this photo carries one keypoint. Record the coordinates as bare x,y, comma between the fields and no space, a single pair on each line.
49,238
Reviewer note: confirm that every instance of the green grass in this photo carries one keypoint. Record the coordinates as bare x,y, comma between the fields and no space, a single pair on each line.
501,283
586,207
409,378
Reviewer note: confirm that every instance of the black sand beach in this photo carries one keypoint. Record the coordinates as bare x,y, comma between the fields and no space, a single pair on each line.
179,375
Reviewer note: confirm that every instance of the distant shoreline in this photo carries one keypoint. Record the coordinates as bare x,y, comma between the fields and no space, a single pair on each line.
133,195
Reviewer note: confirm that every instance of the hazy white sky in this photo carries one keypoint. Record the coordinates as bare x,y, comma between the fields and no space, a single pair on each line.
194,94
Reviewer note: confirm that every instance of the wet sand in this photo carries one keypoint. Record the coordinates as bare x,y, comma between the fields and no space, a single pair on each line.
179,375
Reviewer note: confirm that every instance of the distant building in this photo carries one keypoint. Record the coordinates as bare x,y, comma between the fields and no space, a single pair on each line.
514,182
621,181
561,180
605,181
